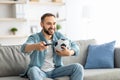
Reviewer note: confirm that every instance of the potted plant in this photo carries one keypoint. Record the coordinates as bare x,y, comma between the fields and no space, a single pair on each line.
13,30
58,27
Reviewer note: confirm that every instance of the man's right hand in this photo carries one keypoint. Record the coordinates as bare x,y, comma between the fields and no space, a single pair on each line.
40,46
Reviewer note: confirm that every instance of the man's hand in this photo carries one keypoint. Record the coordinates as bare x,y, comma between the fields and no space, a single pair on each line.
40,46
65,52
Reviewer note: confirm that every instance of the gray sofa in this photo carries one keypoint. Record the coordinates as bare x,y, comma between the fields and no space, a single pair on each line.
13,63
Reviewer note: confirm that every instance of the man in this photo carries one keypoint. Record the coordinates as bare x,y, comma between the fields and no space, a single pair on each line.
45,60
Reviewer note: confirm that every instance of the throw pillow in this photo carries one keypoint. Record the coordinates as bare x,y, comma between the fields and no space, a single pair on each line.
100,56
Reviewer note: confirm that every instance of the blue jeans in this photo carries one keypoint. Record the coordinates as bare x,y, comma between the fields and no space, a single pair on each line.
74,71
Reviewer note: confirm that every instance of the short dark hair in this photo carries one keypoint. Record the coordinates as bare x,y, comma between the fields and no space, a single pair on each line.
46,15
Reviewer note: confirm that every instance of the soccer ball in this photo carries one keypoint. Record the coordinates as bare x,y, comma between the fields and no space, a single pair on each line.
61,42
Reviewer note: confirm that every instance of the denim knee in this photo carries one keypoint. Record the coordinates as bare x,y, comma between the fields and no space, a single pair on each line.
78,72
36,73
78,66
33,70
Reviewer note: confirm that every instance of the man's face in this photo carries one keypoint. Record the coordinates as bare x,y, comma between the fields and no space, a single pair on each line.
49,25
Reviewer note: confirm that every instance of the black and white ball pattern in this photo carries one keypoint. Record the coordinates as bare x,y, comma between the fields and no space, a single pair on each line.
60,43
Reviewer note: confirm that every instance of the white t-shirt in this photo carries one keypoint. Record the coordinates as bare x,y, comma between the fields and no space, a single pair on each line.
48,64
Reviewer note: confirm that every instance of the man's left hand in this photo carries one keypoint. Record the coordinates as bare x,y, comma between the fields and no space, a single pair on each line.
65,52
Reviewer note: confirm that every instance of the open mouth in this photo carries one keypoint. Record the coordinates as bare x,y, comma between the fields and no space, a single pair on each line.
51,30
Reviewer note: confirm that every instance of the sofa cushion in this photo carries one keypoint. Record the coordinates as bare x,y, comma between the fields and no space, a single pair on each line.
12,78
102,74
81,58
19,78
101,56
12,61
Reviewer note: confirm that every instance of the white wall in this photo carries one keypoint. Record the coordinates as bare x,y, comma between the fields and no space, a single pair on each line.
80,13
86,19
97,19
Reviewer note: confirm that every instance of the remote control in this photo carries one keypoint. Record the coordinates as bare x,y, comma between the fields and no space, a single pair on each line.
47,44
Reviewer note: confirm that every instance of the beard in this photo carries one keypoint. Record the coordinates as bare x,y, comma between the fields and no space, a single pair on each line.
50,31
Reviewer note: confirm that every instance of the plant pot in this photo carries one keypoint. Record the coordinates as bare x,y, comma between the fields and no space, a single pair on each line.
14,33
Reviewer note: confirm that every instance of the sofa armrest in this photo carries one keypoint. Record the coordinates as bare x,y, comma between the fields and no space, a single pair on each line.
12,62
117,57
